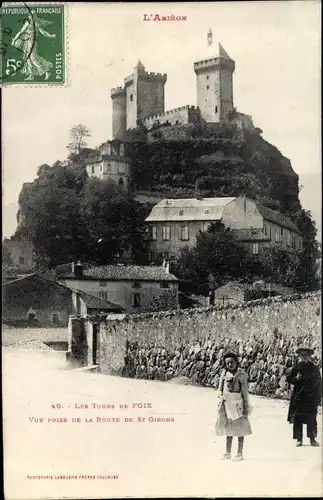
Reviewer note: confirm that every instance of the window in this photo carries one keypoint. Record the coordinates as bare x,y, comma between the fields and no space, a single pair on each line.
93,170
136,300
108,167
154,233
277,235
288,238
152,256
21,260
166,233
184,233
164,285
207,87
121,182
265,230
136,285
255,248
166,255
281,231
55,318
122,169
206,212
181,212
102,283
293,241
103,295
131,97
207,77
216,109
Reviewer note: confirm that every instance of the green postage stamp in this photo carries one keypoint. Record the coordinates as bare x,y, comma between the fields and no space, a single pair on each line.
32,44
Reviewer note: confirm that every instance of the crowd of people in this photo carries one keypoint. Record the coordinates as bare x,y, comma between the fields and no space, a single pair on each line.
266,361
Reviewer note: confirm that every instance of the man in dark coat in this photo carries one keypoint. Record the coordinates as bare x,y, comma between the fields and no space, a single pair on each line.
306,397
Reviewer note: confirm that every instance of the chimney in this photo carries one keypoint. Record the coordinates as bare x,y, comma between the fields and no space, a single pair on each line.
78,269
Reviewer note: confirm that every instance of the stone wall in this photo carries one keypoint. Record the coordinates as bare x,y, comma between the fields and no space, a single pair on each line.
293,316
183,115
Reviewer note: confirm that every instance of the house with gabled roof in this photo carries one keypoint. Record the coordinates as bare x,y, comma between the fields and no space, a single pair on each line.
176,223
36,301
131,286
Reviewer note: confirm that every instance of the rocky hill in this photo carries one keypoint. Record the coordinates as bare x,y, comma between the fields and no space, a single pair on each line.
212,160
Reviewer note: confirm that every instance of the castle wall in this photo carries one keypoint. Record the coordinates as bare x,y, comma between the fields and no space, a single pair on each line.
226,86
293,316
183,115
151,98
243,121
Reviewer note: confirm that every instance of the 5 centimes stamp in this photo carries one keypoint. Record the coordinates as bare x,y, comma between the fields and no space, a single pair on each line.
32,44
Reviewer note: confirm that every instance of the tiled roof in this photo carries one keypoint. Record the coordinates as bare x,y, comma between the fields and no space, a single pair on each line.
126,273
249,234
277,218
94,302
206,209
68,267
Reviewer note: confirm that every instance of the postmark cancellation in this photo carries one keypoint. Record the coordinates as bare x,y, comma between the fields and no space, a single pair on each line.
33,44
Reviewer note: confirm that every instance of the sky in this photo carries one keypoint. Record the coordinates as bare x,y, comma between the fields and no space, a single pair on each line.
275,45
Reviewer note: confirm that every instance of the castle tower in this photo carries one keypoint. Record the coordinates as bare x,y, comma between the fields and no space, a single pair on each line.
144,95
214,82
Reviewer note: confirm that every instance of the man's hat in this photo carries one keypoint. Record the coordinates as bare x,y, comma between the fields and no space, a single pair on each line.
306,350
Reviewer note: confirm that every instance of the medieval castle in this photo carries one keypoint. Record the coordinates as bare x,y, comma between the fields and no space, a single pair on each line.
142,101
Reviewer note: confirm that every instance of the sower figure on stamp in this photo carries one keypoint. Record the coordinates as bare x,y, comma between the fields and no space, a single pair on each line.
234,406
306,378
26,41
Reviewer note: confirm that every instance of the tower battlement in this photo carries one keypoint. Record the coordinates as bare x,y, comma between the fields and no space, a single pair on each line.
214,63
150,77
118,91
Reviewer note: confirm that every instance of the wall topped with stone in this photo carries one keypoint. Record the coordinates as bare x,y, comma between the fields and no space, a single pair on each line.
182,116
293,316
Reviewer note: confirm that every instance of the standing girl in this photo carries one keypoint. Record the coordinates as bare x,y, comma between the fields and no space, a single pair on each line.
234,406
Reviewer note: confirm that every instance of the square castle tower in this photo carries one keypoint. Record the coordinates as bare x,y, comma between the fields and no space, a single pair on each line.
142,95
142,99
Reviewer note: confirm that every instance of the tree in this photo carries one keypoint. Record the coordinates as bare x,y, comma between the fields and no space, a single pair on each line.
6,257
276,264
114,222
306,278
78,135
217,254
51,217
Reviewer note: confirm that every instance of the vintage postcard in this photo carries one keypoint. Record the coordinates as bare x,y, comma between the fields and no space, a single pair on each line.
161,251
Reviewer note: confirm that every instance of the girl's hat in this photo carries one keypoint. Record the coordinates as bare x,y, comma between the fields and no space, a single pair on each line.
305,350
